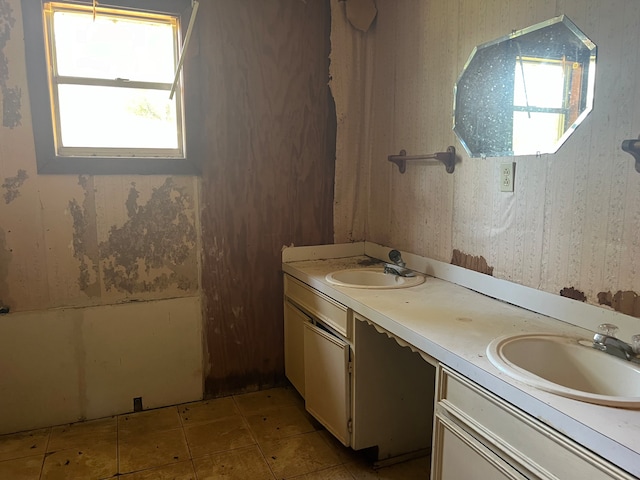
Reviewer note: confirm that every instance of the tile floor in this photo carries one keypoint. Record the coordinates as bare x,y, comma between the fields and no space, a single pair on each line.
263,435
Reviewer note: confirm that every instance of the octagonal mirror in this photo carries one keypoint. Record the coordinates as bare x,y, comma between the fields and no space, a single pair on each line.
525,93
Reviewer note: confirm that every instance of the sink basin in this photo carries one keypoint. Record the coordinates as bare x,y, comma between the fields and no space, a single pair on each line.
371,278
569,367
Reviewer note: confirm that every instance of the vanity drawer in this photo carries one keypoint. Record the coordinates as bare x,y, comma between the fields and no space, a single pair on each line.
318,305
534,448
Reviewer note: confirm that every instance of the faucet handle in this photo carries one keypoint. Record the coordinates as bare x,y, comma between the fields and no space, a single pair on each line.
608,329
635,344
395,257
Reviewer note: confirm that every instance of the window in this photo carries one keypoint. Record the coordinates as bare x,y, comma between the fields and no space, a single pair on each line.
100,81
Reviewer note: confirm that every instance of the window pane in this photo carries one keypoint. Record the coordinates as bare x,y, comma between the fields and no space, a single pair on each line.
537,132
544,84
112,47
110,117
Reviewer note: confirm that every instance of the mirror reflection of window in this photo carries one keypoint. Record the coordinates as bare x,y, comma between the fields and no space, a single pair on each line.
525,93
546,102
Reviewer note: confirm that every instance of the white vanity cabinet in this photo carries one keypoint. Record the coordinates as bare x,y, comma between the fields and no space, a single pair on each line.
365,388
479,435
317,355
443,398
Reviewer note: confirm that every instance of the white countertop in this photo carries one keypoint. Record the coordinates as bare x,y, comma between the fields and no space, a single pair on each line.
454,325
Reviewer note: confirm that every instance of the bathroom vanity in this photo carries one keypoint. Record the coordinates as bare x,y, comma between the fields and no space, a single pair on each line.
498,440
405,370
347,372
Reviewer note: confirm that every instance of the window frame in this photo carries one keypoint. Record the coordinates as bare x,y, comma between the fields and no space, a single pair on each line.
48,161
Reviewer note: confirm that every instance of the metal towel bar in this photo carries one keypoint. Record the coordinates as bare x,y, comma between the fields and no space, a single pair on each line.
448,158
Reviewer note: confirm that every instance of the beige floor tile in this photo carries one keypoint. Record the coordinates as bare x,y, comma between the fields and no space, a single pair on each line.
80,434
240,464
158,445
208,410
140,451
213,437
257,402
299,455
92,463
417,469
25,468
332,473
23,444
176,471
345,454
150,421
279,422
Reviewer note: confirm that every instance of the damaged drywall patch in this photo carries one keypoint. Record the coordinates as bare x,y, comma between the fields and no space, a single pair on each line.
85,241
159,236
478,264
626,302
571,292
12,186
11,96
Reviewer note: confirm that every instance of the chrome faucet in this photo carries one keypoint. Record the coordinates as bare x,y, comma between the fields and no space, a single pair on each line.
606,341
398,267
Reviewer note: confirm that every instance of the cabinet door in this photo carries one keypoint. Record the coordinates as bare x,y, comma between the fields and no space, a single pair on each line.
294,321
530,446
326,371
459,456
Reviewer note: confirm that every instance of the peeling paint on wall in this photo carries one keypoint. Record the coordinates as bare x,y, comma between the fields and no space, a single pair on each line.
11,96
155,248
11,186
85,242
571,292
626,302
478,264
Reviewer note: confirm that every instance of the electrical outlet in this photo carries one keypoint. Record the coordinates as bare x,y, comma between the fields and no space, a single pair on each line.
507,171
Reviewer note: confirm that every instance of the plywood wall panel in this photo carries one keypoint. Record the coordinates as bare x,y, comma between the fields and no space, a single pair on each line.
268,151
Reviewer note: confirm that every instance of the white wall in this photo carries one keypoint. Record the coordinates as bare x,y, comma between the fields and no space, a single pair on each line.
574,218
64,365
